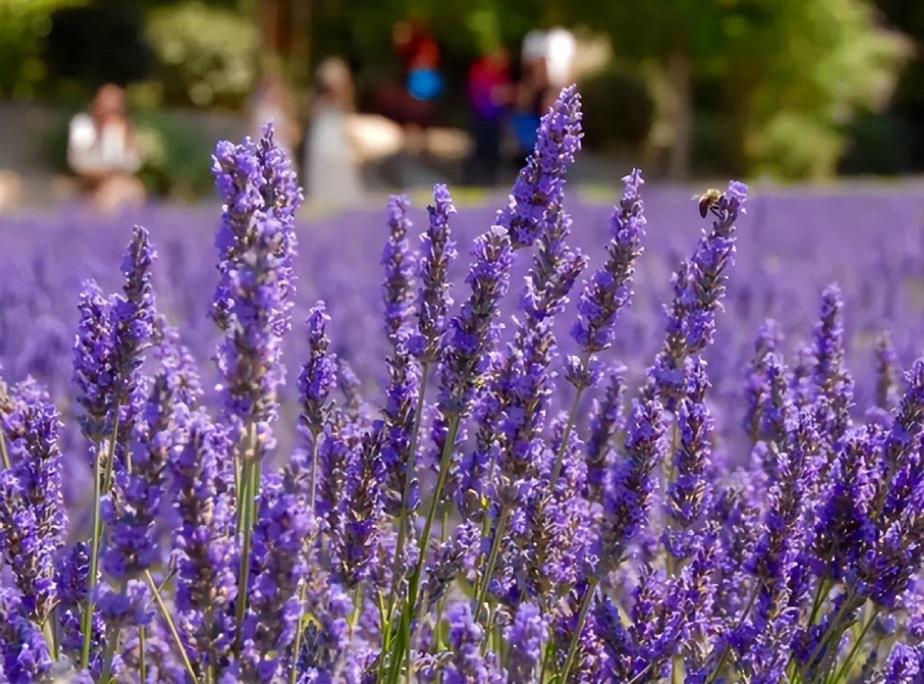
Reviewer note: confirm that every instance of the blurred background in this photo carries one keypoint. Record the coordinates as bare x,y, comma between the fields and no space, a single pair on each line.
121,101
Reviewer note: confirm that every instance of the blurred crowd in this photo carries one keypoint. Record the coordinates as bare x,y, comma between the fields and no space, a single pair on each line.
506,90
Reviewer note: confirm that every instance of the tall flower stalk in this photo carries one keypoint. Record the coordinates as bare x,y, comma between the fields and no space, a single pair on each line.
252,306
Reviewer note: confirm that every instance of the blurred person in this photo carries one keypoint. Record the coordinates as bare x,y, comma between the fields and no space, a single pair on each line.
103,150
560,49
532,92
489,93
412,103
331,166
272,103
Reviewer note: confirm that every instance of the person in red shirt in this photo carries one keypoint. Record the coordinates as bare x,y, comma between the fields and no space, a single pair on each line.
489,93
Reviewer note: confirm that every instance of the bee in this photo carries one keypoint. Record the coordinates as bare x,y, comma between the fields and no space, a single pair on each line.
708,200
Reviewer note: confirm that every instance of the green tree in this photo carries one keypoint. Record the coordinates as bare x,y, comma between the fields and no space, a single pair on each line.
790,73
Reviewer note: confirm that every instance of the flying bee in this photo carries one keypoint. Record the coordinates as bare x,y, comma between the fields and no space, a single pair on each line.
708,200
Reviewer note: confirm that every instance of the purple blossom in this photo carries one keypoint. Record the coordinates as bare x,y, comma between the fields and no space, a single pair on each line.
319,374
32,516
610,289
526,636
467,663
540,184
24,653
433,298
205,545
256,243
687,492
628,492
699,286
283,534
756,390
472,332
397,290
607,419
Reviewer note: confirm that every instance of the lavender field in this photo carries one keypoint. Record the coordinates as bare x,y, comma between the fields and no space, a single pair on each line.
403,444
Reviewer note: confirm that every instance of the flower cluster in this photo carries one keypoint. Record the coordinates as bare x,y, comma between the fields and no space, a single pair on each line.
510,504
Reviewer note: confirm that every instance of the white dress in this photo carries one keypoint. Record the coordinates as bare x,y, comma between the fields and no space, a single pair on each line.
333,177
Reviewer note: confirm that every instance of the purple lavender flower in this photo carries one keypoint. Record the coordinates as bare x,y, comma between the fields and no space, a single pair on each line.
94,375
526,636
397,290
843,527
133,320
610,289
607,419
698,289
433,299
904,665
205,544
23,650
829,376
472,332
456,556
555,268
362,511
179,368
465,639
756,391
397,426
284,532
319,374
132,508
72,579
687,492
256,242
541,182
629,491
32,516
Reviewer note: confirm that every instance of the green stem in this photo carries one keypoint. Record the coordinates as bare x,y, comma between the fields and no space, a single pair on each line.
94,564
142,662
829,633
357,606
576,637
171,625
251,487
410,471
4,453
845,668
566,435
112,642
403,644
297,646
492,561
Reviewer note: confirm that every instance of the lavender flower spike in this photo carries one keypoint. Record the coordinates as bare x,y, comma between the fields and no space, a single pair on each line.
24,656
133,319
629,492
699,286
204,542
687,493
610,289
541,182
32,516
465,638
472,332
434,300
397,290
319,374
256,242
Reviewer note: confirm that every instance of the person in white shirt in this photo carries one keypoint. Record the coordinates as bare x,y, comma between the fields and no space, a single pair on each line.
103,151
